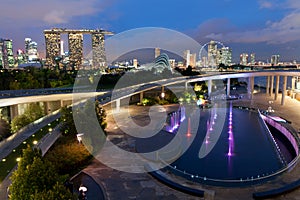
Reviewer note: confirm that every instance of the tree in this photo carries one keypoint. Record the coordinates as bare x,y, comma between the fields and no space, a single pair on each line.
68,122
36,178
34,111
83,113
4,129
31,113
18,122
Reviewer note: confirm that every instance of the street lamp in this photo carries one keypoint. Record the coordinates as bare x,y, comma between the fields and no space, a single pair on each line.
79,137
163,95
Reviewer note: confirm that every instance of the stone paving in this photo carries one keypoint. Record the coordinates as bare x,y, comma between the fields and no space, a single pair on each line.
122,185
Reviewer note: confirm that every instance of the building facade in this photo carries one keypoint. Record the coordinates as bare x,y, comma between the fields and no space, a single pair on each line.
244,59
75,41
212,53
275,59
6,54
224,56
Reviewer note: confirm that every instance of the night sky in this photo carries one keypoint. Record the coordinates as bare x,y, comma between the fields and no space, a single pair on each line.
260,26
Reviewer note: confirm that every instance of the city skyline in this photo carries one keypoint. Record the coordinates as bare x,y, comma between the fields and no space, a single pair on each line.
263,27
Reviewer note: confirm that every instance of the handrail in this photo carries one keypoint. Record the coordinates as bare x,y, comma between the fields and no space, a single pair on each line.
278,151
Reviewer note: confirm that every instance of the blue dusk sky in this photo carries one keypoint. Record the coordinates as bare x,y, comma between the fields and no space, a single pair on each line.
264,27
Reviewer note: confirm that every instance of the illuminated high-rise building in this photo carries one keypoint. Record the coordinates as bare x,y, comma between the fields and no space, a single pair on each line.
21,57
186,58
76,48
31,52
75,37
212,53
275,59
193,58
156,52
224,56
99,57
7,55
252,58
172,63
244,59
135,63
27,41
52,38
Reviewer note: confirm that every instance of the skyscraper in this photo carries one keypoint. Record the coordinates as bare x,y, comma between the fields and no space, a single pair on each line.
193,60
252,58
224,56
186,58
76,48
32,52
212,53
21,57
99,57
244,59
157,52
7,57
27,41
275,59
52,38
75,37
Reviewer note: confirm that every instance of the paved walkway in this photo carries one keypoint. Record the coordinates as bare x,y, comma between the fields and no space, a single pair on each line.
121,185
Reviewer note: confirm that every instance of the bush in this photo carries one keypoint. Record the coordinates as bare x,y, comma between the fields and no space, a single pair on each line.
18,122
68,156
148,101
36,178
31,113
4,129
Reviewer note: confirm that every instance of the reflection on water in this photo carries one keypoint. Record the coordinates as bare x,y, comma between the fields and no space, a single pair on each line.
237,149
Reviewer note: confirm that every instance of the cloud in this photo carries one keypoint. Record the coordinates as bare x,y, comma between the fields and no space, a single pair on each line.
293,4
55,17
217,25
282,31
46,12
265,4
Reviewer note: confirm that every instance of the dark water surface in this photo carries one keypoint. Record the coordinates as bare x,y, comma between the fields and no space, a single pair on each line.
252,151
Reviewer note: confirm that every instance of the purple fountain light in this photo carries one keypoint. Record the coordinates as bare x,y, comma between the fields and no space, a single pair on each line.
230,133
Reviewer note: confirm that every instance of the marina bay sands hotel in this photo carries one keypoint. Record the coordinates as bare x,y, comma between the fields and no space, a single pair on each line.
75,41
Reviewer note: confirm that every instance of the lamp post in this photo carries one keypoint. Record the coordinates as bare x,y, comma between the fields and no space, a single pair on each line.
79,137
162,95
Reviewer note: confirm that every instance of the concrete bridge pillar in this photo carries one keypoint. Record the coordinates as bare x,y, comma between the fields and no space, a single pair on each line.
51,106
271,85
14,111
277,87
46,107
141,97
293,83
118,104
250,87
209,87
283,90
268,85
228,87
